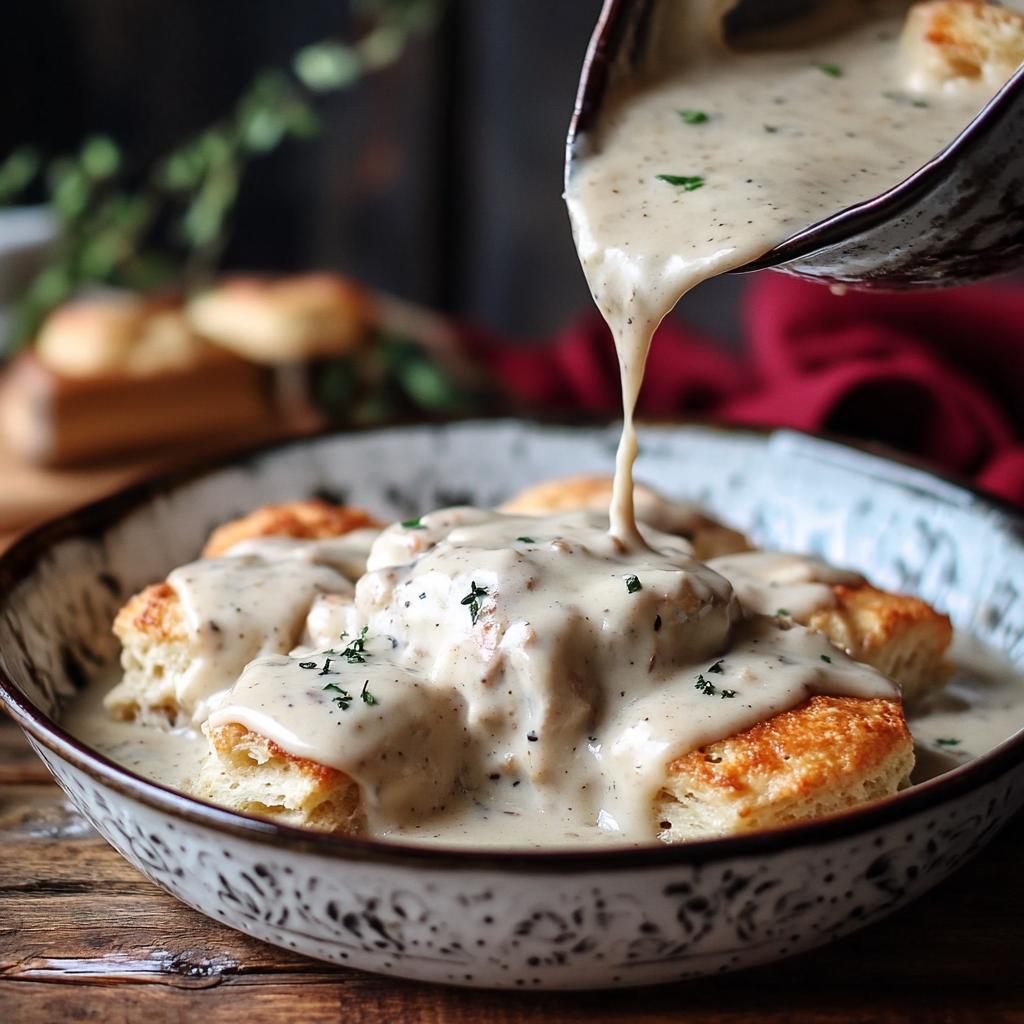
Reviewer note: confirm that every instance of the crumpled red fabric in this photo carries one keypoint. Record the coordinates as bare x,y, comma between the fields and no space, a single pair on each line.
938,374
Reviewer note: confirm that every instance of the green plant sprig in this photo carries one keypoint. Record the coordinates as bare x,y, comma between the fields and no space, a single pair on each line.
171,222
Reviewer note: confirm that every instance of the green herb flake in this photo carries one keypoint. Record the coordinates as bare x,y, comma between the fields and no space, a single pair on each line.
919,103
472,599
771,129
355,652
367,697
717,667
783,611
307,664
728,693
525,540
705,686
344,698
948,743
414,524
826,658
832,70
327,670
693,116
688,183
633,584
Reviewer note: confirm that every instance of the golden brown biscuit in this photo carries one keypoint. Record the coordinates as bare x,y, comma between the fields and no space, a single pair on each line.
903,637
278,321
312,519
247,772
824,756
959,45
708,537
156,651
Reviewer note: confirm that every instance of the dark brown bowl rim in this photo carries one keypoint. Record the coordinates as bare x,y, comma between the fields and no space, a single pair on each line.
22,558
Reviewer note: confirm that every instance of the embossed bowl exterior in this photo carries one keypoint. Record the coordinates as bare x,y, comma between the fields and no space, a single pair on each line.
528,920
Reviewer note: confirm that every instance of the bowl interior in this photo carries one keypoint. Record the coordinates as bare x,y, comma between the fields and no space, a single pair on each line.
905,529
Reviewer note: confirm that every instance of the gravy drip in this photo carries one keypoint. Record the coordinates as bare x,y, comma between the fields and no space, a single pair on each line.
761,145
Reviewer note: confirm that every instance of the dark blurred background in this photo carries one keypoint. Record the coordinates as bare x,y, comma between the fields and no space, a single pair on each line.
438,179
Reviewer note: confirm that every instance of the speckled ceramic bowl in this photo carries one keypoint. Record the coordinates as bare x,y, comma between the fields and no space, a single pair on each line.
529,920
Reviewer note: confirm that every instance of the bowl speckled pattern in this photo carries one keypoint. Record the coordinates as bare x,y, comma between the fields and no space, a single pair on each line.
529,920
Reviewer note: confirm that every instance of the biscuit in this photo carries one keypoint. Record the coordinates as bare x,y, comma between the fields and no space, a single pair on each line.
708,537
155,653
157,643
250,773
821,757
312,519
279,321
903,637
956,46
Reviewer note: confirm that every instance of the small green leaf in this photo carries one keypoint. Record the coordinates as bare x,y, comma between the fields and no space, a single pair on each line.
101,157
688,183
633,584
826,658
525,540
414,524
325,67
693,116
771,129
832,70
948,743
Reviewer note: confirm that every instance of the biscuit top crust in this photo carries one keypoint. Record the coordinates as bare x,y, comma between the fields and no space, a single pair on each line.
312,519
830,737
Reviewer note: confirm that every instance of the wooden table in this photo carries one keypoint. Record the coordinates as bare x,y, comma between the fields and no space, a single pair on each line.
83,936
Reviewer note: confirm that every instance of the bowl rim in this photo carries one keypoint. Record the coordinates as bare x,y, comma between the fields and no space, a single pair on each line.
19,561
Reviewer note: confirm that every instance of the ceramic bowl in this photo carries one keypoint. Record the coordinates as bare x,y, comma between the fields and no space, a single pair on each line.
527,919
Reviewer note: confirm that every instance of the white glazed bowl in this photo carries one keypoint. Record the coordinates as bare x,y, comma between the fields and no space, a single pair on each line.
528,920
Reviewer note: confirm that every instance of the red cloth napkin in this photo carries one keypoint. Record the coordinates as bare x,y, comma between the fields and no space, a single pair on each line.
938,374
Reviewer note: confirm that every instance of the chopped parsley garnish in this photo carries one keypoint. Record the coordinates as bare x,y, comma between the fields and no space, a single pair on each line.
633,584
525,540
833,70
657,623
355,653
367,697
307,664
771,129
473,600
327,670
900,97
344,698
693,116
688,183
948,743
826,658
414,524
728,693
705,686
717,667
782,611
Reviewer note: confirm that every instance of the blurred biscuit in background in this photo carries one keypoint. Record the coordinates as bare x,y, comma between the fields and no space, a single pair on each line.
285,320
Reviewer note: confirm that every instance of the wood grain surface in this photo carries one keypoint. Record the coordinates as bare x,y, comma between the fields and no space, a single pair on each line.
83,936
